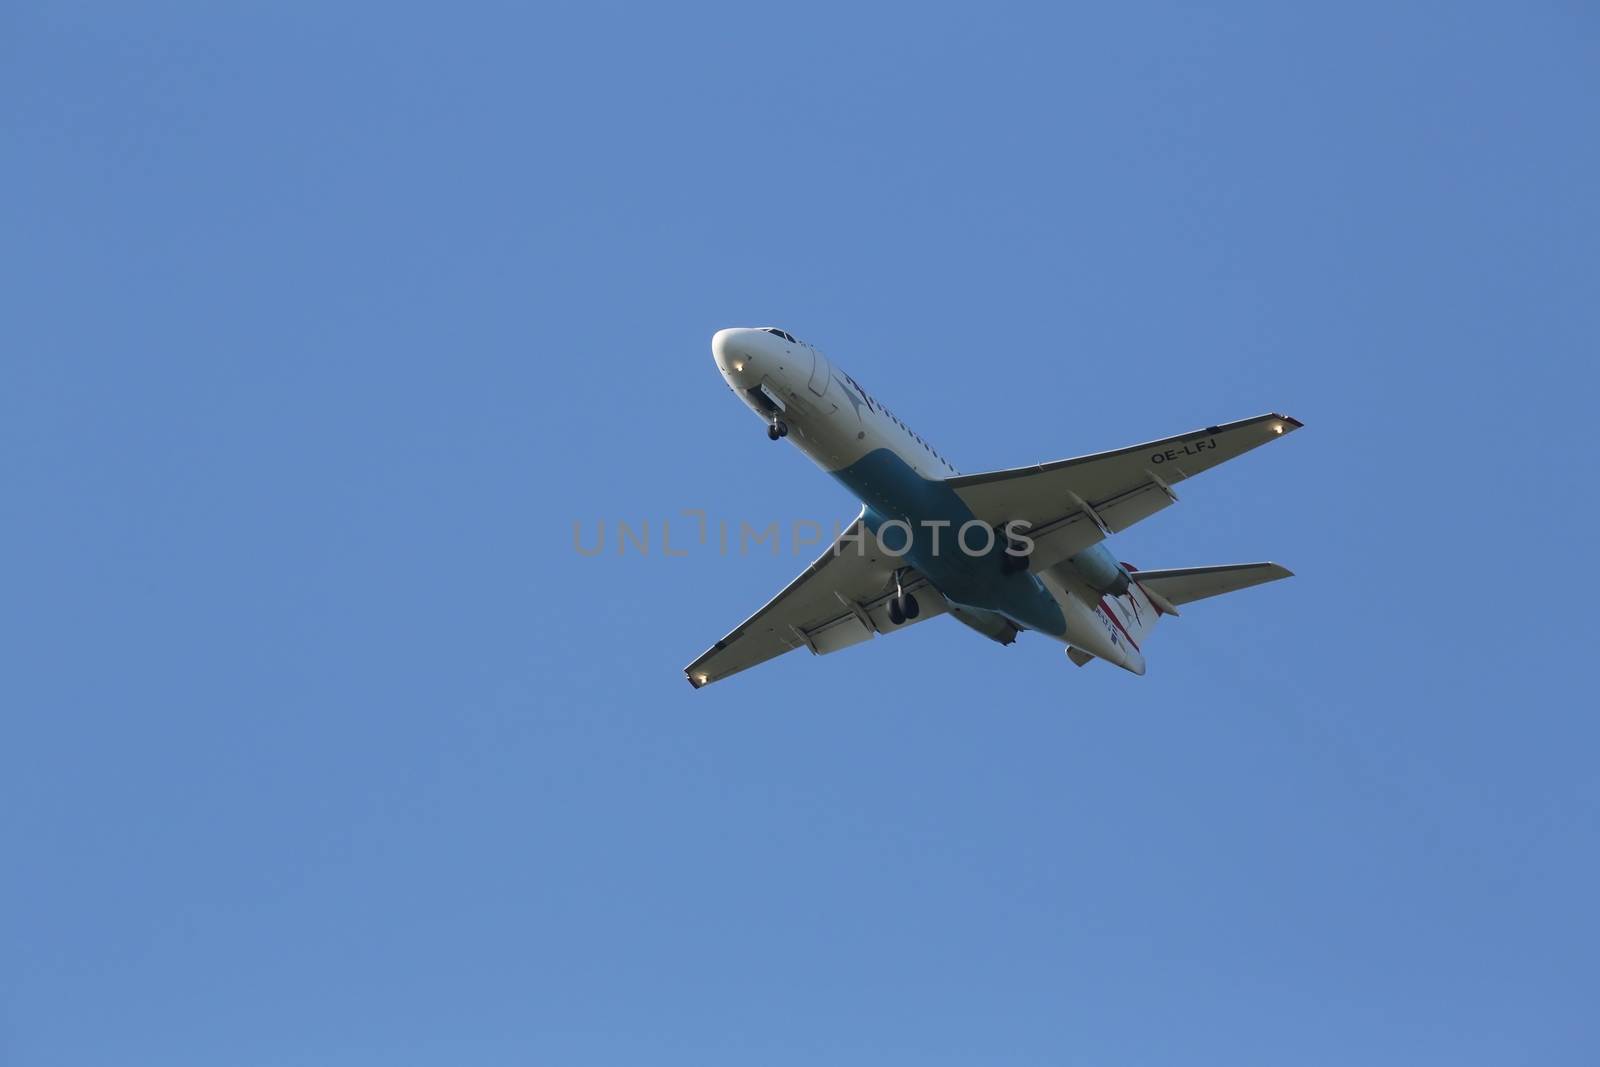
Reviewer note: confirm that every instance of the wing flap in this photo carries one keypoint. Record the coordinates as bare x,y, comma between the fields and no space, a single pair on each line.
842,632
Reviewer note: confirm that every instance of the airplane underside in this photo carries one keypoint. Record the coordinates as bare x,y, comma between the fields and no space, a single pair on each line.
1001,551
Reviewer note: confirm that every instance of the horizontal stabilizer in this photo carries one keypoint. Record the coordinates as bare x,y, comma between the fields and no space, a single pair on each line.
1181,585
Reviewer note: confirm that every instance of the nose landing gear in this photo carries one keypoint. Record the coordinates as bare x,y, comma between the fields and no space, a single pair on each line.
777,428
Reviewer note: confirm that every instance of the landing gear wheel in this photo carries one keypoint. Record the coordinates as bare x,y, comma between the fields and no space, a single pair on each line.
783,428
902,606
773,433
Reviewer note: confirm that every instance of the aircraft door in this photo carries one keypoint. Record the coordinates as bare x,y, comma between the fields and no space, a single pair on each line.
820,371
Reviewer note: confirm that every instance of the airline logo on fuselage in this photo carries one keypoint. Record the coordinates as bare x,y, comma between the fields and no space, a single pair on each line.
1117,625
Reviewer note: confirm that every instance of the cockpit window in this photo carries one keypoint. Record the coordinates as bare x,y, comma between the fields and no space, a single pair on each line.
779,333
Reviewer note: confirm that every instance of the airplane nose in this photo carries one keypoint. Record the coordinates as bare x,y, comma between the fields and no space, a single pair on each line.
731,351
722,343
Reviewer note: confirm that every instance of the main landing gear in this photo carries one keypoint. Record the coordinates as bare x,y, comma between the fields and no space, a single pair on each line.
777,428
903,607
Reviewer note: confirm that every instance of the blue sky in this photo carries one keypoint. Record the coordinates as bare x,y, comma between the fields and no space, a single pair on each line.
324,324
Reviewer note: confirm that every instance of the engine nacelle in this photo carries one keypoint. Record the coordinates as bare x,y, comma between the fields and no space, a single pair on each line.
1100,570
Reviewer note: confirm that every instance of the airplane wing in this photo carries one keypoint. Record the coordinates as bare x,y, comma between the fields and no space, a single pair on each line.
840,600
1072,503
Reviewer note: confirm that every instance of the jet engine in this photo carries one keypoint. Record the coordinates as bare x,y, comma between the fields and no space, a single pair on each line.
1100,570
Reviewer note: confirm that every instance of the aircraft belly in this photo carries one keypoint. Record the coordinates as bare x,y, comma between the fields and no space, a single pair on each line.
933,515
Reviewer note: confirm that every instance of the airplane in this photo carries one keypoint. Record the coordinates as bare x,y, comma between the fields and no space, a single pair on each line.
1002,551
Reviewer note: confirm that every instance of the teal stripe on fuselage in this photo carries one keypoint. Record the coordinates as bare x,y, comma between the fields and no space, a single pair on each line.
891,489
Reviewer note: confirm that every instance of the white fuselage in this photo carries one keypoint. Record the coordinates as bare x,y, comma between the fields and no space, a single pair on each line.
836,420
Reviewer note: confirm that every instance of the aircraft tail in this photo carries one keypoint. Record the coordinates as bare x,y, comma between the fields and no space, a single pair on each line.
1154,593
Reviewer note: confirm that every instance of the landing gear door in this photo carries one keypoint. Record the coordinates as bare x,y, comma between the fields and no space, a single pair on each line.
820,372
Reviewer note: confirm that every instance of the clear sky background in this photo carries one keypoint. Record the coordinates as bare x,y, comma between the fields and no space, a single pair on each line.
323,323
